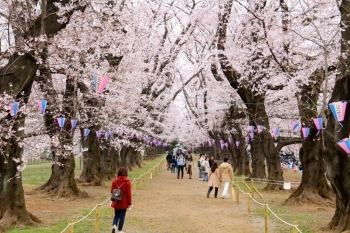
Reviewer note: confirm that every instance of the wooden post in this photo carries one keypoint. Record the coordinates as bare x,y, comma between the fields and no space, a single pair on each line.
249,200
295,224
232,191
252,183
237,195
97,215
150,175
266,219
70,229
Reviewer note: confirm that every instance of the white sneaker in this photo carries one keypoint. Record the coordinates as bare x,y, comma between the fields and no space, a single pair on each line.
114,229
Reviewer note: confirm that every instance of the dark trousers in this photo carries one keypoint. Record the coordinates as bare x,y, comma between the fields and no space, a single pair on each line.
180,168
119,216
215,192
173,168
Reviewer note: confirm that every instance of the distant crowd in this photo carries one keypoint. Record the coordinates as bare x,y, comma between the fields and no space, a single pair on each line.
208,170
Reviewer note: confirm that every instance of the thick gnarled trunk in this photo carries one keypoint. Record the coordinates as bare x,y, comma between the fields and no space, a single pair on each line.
20,75
313,186
337,161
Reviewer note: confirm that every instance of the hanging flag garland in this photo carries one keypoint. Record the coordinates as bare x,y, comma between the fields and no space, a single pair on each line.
275,132
345,145
295,125
318,123
73,123
60,121
247,140
14,108
209,142
306,132
260,128
42,106
338,110
237,144
86,133
100,83
98,134
251,135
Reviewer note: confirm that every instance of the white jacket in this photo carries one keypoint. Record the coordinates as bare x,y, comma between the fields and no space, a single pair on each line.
205,164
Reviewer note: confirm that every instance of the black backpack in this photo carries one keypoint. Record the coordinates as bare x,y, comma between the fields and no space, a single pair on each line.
117,195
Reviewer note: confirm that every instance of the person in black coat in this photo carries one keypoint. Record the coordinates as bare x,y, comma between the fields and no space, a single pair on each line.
168,159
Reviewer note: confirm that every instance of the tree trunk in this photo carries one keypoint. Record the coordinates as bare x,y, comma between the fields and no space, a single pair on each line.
313,187
152,152
274,171
13,207
110,161
92,171
19,73
258,157
62,180
100,160
337,161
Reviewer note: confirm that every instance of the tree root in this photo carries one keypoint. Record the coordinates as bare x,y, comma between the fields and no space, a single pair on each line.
24,217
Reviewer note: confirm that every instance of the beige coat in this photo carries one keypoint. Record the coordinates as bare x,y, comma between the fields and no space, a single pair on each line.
214,180
226,172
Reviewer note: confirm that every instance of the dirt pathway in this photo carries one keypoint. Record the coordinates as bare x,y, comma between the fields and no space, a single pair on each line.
170,205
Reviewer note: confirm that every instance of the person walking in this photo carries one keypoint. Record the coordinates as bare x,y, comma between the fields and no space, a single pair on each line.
200,168
173,164
214,180
226,175
123,183
189,165
206,166
168,159
211,161
181,163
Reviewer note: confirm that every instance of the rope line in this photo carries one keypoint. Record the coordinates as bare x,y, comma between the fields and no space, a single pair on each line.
273,182
256,200
108,199
263,204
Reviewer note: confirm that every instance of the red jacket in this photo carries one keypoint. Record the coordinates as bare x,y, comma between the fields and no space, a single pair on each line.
126,191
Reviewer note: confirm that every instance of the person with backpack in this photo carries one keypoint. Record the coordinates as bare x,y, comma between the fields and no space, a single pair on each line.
122,203
181,163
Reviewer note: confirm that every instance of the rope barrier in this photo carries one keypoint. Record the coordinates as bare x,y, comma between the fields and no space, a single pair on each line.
266,205
276,181
108,199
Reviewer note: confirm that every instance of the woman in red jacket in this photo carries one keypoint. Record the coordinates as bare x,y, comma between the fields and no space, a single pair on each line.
122,181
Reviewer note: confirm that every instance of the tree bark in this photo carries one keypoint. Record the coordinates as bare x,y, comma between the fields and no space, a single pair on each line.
61,181
313,187
336,160
19,73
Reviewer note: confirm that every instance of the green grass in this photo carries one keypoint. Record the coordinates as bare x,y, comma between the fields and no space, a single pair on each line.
38,174
306,222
